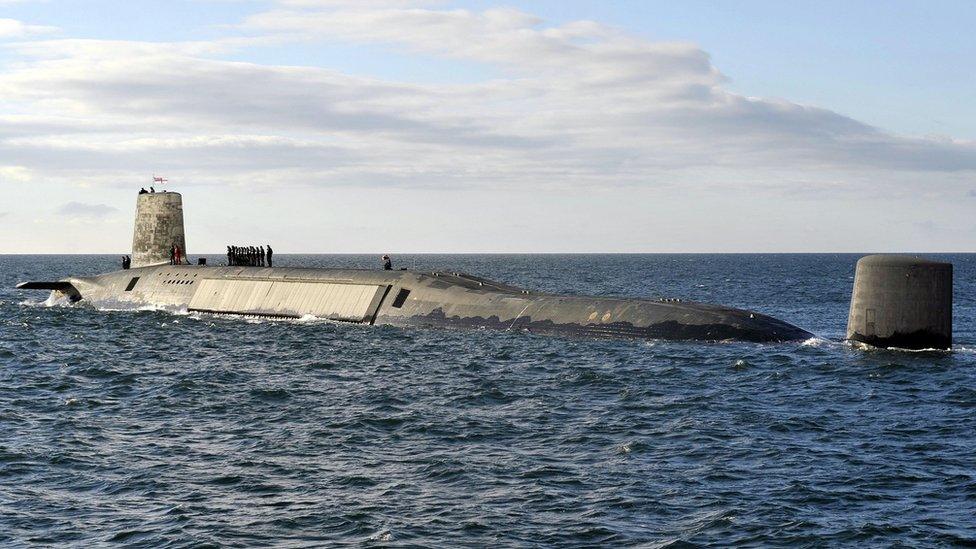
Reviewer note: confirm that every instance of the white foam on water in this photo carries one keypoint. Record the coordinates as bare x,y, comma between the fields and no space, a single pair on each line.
817,342
254,319
861,346
57,300
140,308
53,300
928,350
384,535
152,307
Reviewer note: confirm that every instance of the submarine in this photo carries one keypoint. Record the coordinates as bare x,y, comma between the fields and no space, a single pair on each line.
385,297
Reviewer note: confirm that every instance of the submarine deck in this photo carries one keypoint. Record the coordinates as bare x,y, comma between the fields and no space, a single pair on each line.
412,298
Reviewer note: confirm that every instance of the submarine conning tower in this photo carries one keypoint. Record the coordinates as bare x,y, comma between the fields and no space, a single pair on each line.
158,227
901,301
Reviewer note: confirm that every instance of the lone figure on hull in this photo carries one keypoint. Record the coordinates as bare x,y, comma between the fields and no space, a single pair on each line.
387,263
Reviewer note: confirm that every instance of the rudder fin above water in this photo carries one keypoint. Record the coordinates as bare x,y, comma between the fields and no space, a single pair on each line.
65,288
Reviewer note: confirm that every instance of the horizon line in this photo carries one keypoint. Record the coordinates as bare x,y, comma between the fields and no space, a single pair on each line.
520,253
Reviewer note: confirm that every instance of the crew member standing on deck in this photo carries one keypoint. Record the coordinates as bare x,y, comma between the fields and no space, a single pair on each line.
270,251
387,263
261,255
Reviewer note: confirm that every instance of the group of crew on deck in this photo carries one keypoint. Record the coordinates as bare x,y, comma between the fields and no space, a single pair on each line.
249,256
241,256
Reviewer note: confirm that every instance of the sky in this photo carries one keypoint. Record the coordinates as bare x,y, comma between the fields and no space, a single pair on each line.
386,126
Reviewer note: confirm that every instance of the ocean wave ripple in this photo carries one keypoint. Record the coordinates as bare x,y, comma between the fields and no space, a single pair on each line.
153,429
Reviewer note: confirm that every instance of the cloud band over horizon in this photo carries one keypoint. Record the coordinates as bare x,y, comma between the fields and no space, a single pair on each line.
560,112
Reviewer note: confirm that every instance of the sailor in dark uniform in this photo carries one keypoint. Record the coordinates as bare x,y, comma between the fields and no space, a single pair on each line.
387,263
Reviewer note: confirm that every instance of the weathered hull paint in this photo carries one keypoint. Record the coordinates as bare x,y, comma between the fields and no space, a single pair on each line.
668,329
409,298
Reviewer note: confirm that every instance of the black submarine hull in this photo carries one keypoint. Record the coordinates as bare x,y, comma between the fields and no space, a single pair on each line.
410,298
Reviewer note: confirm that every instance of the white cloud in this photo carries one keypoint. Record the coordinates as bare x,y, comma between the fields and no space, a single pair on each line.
82,210
14,174
12,28
359,3
580,103
576,107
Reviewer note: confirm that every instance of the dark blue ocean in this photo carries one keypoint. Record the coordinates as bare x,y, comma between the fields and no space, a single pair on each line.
161,430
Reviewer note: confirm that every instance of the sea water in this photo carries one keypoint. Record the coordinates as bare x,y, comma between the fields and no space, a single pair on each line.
171,430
